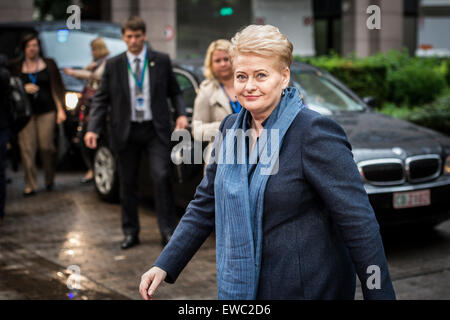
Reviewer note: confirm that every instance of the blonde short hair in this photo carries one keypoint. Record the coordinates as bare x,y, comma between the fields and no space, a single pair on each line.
100,45
220,44
264,40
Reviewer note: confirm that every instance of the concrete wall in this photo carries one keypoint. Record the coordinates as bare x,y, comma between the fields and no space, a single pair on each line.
159,16
292,17
355,35
17,10
391,25
358,38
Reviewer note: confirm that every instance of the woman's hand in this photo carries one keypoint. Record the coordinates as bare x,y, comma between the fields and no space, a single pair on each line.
31,88
150,282
61,116
68,71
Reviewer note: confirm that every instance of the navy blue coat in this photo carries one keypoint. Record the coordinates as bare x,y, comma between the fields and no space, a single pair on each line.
318,225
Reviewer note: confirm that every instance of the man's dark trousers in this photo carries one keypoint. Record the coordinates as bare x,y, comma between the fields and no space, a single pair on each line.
144,140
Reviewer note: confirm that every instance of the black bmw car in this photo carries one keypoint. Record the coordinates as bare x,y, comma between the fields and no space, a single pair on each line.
405,167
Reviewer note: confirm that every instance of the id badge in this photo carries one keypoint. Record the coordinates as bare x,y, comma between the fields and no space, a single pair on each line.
140,103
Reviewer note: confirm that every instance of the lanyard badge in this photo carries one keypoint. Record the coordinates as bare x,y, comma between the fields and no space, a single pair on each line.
235,105
33,76
139,82
140,102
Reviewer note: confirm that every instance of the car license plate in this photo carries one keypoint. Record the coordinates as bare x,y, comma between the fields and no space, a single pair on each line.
411,199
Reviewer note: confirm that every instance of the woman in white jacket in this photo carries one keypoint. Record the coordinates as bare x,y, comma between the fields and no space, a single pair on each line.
216,98
93,74
93,71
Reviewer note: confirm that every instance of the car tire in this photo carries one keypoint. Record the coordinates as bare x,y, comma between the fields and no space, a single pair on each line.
106,178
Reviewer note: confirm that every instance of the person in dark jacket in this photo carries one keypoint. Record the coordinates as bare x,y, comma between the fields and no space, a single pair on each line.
5,105
291,215
133,92
43,84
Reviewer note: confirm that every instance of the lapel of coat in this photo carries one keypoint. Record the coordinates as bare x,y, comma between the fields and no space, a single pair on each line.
152,69
221,98
123,70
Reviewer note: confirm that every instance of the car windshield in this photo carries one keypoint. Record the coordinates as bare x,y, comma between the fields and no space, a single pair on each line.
72,48
321,94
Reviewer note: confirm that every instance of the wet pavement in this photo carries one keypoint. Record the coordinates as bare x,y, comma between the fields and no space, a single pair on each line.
65,245
43,235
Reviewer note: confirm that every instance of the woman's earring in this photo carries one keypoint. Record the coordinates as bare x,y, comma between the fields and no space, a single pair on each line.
283,92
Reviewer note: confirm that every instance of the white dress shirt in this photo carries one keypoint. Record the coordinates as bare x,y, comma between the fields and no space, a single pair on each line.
145,87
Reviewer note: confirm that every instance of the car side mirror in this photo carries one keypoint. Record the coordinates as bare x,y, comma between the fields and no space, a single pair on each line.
370,101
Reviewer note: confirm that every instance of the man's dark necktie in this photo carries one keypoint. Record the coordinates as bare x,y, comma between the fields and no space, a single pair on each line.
137,72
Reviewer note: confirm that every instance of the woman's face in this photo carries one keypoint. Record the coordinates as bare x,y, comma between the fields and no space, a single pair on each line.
95,53
32,49
258,83
221,64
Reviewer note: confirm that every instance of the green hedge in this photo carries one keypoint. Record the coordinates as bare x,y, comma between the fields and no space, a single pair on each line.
415,84
435,115
446,69
393,77
363,78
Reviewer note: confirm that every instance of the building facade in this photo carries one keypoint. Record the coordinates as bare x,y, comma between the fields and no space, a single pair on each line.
434,23
186,27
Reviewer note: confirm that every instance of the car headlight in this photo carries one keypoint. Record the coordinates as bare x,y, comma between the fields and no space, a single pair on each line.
72,100
447,165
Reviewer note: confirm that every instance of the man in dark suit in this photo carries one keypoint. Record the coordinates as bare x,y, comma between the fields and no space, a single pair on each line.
133,93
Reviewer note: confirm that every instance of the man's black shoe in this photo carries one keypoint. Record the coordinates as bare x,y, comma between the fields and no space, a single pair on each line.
129,241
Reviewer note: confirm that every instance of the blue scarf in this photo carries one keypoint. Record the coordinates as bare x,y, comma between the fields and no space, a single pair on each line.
239,188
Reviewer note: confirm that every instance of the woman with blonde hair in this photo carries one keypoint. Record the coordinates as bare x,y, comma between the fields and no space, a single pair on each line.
93,74
292,223
216,98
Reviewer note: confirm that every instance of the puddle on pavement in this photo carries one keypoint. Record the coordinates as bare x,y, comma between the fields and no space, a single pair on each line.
32,277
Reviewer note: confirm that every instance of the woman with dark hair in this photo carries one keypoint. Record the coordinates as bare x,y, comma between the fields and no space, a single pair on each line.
45,89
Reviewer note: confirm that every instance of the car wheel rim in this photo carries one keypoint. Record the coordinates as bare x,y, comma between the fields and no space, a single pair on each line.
104,168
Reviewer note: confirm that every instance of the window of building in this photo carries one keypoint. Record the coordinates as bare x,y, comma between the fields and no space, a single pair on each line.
199,22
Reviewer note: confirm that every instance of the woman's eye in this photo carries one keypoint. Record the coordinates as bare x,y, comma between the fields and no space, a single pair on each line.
261,75
240,77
